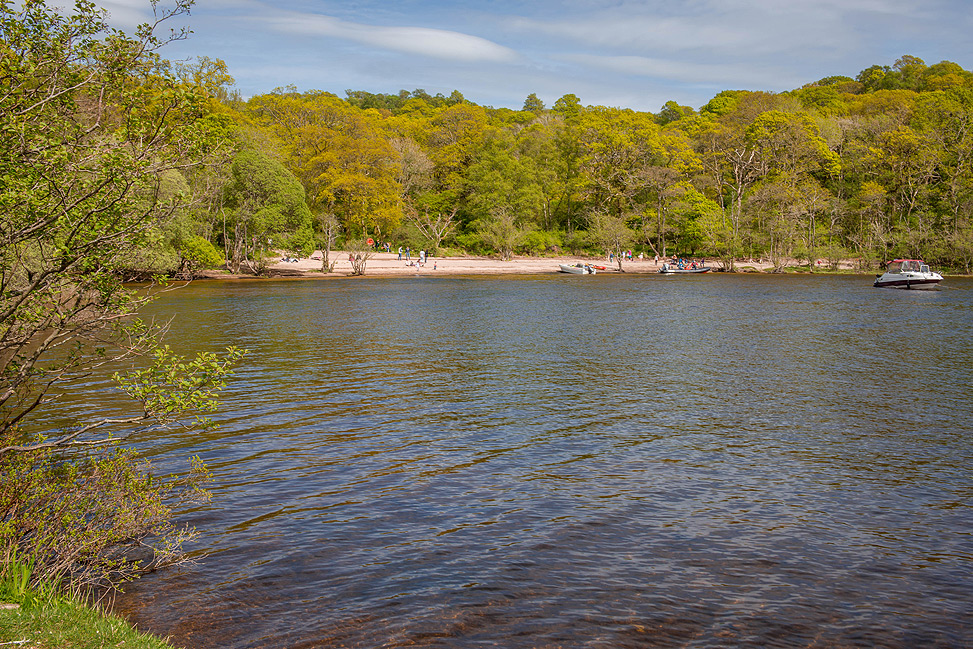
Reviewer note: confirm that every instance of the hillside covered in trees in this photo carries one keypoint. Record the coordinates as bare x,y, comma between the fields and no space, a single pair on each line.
871,168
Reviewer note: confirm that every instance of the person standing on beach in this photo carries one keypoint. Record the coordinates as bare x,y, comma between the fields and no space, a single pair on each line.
408,253
400,253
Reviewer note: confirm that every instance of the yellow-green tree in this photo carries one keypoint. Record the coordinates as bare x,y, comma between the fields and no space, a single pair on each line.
792,157
341,154
618,145
455,140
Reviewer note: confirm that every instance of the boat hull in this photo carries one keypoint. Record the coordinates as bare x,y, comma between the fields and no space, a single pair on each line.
908,274
684,271
910,283
577,270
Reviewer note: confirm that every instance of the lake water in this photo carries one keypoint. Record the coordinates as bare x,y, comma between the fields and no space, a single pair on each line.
574,461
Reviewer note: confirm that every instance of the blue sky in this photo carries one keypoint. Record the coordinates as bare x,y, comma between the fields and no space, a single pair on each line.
628,53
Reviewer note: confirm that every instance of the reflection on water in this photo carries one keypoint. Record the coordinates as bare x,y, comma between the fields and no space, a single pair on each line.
578,461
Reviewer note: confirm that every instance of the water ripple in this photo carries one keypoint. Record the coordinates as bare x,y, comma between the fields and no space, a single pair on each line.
621,462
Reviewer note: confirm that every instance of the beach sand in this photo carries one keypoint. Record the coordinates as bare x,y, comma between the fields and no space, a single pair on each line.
388,264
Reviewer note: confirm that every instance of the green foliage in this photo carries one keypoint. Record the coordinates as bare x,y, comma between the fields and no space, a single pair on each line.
723,103
697,222
578,242
72,514
504,181
832,81
533,105
499,180
536,242
199,252
610,233
268,209
568,106
826,100
402,101
673,112
15,580
501,233
83,189
339,153
472,243
70,510
172,386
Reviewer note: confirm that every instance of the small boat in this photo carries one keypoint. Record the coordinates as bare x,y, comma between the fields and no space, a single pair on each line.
674,270
578,269
908,274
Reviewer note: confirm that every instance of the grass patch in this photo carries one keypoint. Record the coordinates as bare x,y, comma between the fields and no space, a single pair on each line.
39,615
70,625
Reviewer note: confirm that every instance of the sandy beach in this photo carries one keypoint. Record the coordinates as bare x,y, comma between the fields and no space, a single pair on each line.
388,264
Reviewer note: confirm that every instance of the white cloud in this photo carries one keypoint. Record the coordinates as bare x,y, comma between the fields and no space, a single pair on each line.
126,14
738,28
640,33
739,34
436,43
718,74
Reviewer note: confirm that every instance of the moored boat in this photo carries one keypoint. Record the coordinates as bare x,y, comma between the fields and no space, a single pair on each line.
675,270
908,274
578,269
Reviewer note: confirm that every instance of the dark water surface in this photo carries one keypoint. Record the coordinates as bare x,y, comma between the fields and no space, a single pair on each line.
572,461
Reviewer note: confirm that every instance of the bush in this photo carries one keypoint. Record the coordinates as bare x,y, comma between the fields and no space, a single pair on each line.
80,508
200,253
537,242
472,243
75,516
578,242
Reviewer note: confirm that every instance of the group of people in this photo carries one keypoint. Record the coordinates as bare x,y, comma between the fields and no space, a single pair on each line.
408,254
683,264
674,262
418,263
627,255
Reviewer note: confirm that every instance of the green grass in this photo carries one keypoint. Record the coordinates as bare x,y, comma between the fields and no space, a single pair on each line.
44,617
70,625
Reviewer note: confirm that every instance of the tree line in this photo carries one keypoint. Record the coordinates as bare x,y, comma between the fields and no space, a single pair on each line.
871,168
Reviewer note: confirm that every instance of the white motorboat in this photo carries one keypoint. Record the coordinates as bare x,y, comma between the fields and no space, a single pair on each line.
909,274
578,269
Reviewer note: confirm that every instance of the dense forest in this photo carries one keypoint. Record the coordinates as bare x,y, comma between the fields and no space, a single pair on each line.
869,168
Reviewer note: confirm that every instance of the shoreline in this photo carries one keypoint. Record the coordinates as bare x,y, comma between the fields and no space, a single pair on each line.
383,264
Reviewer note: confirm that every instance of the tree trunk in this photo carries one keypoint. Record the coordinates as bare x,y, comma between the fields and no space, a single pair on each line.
238,243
